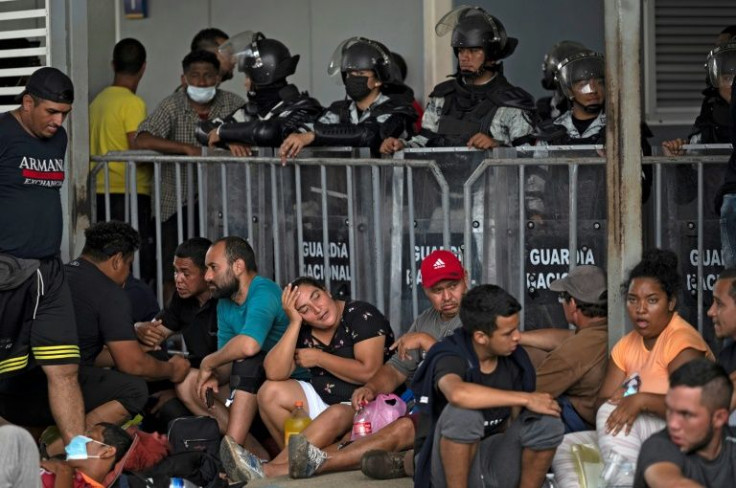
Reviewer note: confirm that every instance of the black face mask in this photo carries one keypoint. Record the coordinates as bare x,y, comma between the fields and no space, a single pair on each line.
266,97
357,87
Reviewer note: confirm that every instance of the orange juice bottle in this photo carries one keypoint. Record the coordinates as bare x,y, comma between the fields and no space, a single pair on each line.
296,423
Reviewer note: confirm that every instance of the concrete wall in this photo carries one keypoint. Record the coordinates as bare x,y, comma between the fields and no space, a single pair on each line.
310,28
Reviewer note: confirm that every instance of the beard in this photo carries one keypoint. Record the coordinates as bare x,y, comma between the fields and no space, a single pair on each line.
701,443
227,288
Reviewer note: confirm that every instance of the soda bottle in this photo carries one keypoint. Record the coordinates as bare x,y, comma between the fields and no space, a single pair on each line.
296,423
361,424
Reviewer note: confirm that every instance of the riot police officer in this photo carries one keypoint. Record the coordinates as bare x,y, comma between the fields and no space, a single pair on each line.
581,78
478,107
376,107
275,108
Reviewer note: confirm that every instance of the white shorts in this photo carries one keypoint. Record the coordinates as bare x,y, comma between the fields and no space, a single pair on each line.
315,404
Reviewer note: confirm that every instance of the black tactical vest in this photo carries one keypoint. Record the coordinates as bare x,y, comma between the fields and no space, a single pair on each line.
469,109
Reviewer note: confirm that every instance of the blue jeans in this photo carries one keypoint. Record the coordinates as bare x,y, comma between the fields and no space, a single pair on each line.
570,418
728,230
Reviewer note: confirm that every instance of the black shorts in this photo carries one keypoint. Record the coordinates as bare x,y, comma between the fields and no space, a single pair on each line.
248,374
37,324
24,398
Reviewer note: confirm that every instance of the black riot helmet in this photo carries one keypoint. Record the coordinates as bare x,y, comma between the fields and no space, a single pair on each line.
558,52
265,61
359,53
474,27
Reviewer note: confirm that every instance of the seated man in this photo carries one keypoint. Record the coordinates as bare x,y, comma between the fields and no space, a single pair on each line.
574,362
697,448
444,283
89,458
250,322
192,312
102,308
471,389
372,114
723,314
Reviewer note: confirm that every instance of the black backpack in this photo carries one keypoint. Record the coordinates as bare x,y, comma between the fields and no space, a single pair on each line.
195,434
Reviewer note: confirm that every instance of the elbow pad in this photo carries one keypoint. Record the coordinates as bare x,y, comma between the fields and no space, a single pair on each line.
202,132
254,133
362,135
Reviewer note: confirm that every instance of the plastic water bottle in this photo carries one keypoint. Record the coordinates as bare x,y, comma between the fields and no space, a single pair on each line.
297,422
361,424
550,482
181,483
618,471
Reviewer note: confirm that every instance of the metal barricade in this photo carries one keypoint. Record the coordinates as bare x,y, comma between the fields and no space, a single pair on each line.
519,217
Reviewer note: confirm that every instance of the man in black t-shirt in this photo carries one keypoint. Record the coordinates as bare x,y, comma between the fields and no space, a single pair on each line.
697,448
38,339
103,310
470,388
192,312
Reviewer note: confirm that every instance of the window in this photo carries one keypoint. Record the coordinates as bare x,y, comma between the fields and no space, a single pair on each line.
678,34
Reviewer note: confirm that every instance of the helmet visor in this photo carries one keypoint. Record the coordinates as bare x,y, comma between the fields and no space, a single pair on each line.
335,65
581,74
448,22
372,56
721,65
242,48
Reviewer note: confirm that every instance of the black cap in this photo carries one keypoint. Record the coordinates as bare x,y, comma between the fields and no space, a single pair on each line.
49,84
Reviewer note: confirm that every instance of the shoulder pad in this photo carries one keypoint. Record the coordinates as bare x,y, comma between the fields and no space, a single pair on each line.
304,103
396,104
514,97
444,88
550,132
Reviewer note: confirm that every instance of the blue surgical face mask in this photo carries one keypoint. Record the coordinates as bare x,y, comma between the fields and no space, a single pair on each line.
201,94
77,448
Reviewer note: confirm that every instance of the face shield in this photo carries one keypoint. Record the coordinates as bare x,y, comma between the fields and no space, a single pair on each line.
242,50
474,16
721,65
581,74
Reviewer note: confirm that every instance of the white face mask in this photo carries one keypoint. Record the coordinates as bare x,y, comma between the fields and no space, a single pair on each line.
77,448
201,94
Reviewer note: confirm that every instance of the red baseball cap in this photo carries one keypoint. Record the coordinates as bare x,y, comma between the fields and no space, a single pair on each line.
441,265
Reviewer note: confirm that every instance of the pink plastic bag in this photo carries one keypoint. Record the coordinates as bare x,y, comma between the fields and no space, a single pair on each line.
377,414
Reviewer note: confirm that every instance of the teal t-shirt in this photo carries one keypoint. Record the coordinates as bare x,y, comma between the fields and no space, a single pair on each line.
260,316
